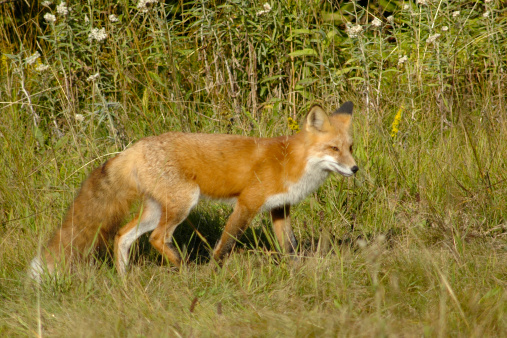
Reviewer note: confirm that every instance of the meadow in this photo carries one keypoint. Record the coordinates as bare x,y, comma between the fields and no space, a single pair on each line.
415,244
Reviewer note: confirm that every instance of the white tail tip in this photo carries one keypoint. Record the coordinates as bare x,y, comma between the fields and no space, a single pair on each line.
36,269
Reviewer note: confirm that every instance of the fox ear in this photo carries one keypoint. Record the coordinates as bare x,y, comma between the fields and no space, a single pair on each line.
345,108
317,119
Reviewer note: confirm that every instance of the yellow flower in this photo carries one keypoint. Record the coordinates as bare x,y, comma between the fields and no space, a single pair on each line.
4,61
396,123
293,125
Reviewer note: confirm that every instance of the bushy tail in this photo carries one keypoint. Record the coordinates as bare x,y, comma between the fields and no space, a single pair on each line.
92,219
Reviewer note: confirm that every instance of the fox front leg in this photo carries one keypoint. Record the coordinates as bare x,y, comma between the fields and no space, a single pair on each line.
283,230
236,224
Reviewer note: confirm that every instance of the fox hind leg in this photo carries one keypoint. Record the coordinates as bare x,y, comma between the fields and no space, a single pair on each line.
174,212
147,220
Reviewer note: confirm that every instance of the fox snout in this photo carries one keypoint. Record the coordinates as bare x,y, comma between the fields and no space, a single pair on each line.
348,171
346,165
341,168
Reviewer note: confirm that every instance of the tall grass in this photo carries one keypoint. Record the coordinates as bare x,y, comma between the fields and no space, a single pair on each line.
414,245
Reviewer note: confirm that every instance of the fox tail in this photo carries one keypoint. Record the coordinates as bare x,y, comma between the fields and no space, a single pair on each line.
92,219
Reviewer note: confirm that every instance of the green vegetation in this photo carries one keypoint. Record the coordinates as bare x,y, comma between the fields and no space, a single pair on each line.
414,245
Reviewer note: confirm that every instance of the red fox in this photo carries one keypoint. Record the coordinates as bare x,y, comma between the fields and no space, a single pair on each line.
172,171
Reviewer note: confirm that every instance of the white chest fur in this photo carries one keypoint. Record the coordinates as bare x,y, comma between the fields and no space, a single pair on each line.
313,176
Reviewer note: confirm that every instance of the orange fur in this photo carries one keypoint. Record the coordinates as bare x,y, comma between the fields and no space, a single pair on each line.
172,171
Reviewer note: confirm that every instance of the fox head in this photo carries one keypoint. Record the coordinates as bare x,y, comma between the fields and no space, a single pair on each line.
329,139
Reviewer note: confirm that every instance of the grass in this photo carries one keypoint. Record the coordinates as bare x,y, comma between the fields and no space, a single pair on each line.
403,288
413,245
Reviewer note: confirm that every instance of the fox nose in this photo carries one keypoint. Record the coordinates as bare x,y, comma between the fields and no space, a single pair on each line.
354,169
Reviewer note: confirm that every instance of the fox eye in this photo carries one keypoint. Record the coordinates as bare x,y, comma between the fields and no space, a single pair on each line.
351,149
335,148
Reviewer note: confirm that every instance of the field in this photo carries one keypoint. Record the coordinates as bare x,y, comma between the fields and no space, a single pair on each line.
415,244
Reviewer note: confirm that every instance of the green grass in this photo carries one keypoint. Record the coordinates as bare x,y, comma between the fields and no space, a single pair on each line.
414,245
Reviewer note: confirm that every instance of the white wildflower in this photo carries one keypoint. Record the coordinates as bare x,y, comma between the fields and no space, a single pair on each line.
422,2
113,18
79,117
432,38
455,14
488,1
354,31
376,22
47,3
390,19
406,7
97,34
42,67
267,9
486,14
92,77
86,19
49,17
445,28
32,58
142,5
402,60
62,9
